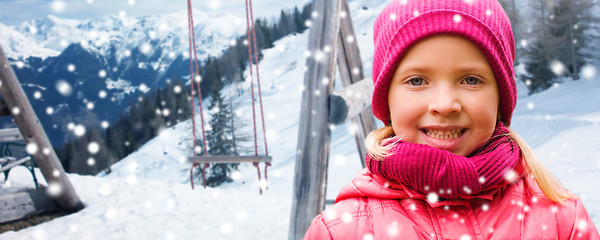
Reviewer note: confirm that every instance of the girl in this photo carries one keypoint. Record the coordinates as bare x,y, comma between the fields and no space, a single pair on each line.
446,165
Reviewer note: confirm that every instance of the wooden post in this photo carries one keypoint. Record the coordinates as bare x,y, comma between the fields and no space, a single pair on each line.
35,136
351,71
314,135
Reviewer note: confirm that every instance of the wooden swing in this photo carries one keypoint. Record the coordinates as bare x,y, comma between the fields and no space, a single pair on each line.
195,76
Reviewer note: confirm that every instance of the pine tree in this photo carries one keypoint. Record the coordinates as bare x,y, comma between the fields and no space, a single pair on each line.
220,137
538,53
568,27
561,42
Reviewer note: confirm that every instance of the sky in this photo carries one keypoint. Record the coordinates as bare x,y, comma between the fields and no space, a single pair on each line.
14,12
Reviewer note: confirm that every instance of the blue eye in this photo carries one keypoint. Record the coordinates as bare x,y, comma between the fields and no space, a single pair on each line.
471,80
416,81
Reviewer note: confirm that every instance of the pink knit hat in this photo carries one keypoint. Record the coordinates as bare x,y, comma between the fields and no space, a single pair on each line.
404,22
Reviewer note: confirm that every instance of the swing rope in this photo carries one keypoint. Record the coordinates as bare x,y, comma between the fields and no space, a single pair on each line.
252,42
195,74
194,65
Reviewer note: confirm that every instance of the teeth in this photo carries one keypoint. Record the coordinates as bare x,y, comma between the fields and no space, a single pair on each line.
439,134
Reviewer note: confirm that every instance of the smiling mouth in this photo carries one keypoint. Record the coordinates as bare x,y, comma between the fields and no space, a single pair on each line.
444,134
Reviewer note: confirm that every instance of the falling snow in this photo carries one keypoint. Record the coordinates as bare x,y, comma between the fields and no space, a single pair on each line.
140,193
557,67
64,88
93,147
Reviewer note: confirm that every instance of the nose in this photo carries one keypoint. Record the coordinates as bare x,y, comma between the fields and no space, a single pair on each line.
445,101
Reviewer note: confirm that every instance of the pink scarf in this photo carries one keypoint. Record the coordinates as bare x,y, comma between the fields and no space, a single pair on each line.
426,169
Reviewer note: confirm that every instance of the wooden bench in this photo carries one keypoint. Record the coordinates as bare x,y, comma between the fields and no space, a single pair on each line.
9,138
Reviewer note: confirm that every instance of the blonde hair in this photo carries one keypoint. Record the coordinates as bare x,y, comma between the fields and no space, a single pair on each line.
378,147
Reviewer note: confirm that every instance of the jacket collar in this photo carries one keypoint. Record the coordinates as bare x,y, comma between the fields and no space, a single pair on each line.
367,184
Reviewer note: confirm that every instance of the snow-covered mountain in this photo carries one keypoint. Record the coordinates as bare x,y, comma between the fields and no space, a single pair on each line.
47,37
108,62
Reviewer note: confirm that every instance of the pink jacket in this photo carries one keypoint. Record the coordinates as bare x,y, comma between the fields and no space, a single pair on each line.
372,208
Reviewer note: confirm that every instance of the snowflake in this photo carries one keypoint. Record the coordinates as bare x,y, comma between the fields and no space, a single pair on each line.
177,89
236,175
131,2
482,180
346,217
457,18
393,230
263,184
37,95
432,197
144,88
308,23
63,87
58,6
588,71
32,148
54,189
102,94
55,173
102,73
104,124
530,105
104,190
557,67
79,130
146,49
16,111
91,162
485,207
152,34
93,147
169,236
110,213
368,236
465,237
340,160
73,228
90,105
20,64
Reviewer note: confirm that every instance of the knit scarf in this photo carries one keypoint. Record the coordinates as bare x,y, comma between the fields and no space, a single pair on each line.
427,169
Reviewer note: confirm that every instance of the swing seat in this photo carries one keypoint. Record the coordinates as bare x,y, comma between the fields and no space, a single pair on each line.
230,159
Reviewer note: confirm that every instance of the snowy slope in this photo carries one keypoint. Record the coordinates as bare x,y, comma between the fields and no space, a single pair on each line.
148,194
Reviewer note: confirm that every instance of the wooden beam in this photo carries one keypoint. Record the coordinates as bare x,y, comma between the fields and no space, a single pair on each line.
3,109
349,102
25,204
34,134
314,134
351,71
230,159
10,135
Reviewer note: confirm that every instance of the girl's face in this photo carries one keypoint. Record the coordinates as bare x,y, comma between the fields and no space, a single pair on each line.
444,94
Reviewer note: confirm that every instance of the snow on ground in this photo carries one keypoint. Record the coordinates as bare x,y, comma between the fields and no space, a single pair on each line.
148,194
